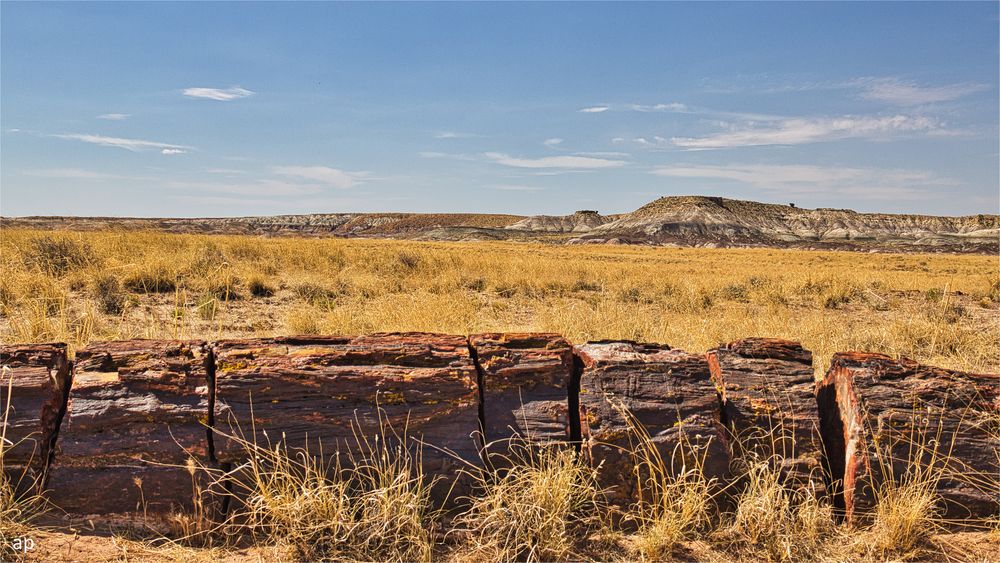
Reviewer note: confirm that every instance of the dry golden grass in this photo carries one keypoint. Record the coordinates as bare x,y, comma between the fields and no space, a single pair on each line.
79,287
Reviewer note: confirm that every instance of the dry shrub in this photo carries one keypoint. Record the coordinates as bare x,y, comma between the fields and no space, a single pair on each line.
152,277
259,287
539,507
58,255
109,295
775,522
374,508
676,499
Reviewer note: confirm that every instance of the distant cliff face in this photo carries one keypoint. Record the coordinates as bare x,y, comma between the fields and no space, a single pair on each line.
675,221
727,222
579,222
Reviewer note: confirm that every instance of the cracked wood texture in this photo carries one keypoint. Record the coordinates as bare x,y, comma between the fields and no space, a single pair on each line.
526,379
138,410
767,389
670,394
882,418
314,390
37,381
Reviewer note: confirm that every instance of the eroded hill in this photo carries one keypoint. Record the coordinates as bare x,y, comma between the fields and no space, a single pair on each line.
675,220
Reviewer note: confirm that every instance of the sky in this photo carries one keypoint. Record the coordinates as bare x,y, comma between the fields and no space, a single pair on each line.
229,109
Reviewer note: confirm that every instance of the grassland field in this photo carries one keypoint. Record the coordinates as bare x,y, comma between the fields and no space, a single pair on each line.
79,287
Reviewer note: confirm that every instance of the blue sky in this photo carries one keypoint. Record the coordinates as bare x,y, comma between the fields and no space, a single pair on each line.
179,109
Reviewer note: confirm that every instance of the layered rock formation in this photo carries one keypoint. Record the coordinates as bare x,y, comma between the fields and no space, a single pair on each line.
675,220
33,387
767,392
138,410
136,430
627,389
887,420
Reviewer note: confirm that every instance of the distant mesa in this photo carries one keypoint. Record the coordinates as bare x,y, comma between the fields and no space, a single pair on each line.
699,221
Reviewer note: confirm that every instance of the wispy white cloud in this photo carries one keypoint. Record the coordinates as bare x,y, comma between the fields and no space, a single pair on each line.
228,171
672,106
173,151
595,109
456,135
333,177
218,94
865,183
448,155
605,154
553,142
578,162
907,93
114,116
804,131
134,145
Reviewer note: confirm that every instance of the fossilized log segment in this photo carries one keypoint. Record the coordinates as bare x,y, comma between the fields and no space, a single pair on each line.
670,394
32,401
883,419
308,391
137,412
768,398
526,378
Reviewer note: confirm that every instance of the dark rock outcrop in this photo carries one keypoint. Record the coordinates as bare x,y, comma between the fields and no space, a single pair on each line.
670,395
525,386
33,387
328,391
138,410
768,398
884,419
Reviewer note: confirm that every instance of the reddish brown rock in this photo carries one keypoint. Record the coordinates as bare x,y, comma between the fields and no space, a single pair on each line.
526,379
33,387
768,398
138,411
669,392
882,418
316,390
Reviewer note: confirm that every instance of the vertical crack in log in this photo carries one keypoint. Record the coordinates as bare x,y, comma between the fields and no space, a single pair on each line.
573,399
833,433
64,380
481,386
210,428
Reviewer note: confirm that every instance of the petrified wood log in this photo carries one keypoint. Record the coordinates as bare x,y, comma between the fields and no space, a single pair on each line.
884,419
329,391
768,395
138,410
668,392
525,386
33,390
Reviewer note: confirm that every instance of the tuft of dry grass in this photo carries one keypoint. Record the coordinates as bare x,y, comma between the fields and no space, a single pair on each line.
540,507
375,507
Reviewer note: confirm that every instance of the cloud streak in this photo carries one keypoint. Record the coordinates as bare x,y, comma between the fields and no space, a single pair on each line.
906,93
134,145
218,94
805,131
332,177
566,162
114,116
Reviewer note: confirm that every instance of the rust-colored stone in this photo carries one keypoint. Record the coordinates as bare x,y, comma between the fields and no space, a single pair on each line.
883,418
138,410
526,380
670,394
313,390
768,398
33,391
